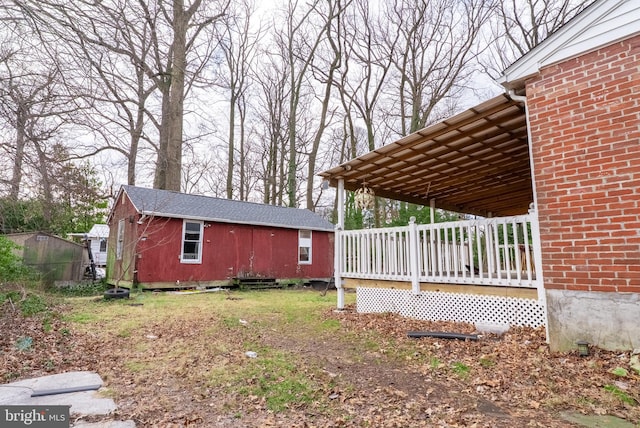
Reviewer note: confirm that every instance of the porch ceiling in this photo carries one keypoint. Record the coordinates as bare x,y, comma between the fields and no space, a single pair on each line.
476,162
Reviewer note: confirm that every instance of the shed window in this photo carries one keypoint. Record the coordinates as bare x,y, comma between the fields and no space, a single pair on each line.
191,242
304,246
120,241
103,245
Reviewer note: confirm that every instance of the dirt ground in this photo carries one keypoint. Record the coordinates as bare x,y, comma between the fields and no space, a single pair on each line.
370,374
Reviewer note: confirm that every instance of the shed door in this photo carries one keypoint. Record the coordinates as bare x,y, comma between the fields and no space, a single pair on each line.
262,251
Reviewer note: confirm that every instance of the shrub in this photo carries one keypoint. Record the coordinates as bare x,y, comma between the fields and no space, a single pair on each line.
11,267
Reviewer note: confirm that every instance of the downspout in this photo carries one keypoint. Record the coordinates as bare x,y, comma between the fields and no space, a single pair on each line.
533,212
337,245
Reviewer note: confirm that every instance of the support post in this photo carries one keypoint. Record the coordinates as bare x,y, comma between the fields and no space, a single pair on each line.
432,211
340,208
537,262
337,246
414,264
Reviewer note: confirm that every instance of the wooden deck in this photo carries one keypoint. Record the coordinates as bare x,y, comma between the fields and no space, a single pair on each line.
479,290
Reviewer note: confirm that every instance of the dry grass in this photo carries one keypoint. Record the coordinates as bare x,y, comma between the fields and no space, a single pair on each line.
180,360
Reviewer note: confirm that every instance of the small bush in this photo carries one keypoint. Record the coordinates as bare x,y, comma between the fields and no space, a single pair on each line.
32,305
11,267
29,303
13,296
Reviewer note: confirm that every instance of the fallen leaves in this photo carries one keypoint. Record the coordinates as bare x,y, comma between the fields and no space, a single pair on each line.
515,370
171,372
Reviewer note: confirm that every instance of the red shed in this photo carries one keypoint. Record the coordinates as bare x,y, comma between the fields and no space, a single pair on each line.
165,239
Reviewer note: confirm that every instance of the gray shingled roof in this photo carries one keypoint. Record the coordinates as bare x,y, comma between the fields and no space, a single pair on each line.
166,203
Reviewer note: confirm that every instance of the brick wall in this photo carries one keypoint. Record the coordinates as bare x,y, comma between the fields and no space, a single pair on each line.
585,127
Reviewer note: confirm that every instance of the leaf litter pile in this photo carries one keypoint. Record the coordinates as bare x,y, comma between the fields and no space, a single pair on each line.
192,368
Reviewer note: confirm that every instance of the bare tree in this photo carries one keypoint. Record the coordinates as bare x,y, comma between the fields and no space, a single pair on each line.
238,42
325,73
26,104
36,107
517,26
172,86
102,56
298,41
434,56
166,41
272,113
195,171
117,95
330,80
365,71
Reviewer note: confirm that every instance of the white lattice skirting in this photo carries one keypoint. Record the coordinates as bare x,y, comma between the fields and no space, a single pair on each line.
439,306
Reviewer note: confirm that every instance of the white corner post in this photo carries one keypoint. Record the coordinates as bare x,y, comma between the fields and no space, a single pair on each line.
537,262
337,245
414,264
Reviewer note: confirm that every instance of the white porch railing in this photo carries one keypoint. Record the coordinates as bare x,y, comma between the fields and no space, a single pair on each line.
495,251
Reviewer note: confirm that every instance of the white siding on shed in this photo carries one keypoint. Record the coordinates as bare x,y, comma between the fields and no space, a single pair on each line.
97,234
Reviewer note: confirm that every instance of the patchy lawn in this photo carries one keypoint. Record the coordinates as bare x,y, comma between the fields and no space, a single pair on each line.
285,358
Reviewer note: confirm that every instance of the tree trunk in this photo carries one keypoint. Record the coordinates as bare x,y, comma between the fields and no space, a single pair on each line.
232,136
176,105
21,141
162,163
244,191
45,184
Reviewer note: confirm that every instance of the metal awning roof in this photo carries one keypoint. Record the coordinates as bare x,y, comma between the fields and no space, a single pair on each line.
476,162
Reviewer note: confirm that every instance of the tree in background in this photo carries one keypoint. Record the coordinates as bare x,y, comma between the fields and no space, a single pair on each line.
75,203
186,25
167,41
325,71
272,112
46,187
517,26
36,109
238,43
195,96
11,267
297,43
434,56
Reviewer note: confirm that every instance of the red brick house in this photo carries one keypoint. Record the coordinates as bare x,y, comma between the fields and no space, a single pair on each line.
553,169
163,239
582,88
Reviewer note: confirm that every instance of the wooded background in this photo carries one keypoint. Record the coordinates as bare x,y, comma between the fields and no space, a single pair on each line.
233,98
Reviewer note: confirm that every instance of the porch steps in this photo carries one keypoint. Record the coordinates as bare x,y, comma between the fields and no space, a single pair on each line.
256,283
